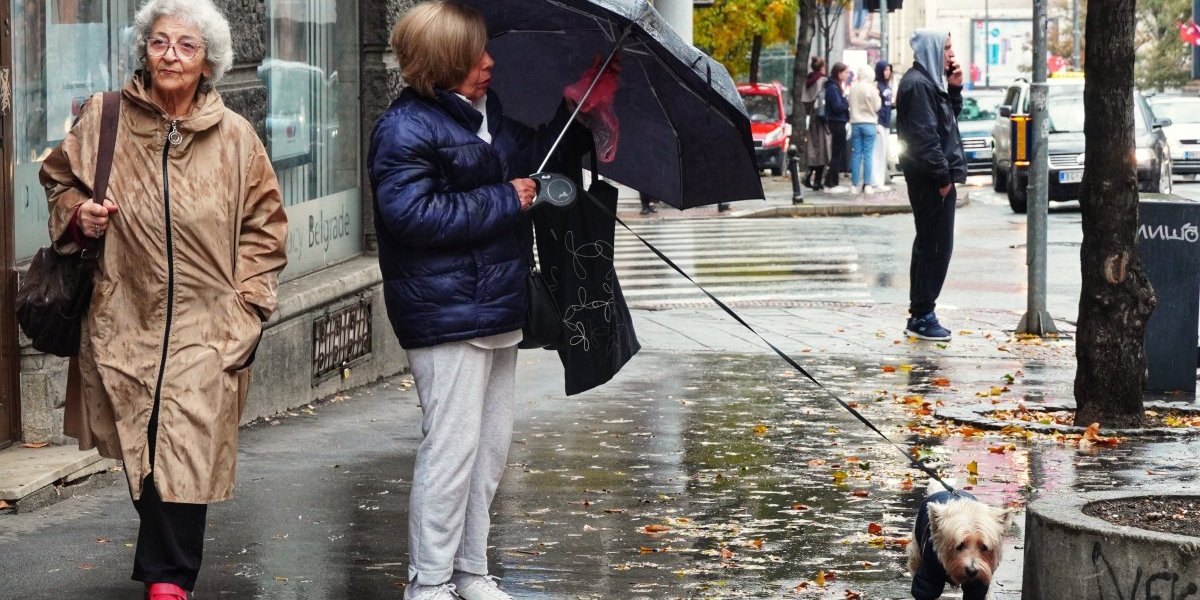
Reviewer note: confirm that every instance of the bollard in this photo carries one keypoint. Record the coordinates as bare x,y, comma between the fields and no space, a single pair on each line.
793,157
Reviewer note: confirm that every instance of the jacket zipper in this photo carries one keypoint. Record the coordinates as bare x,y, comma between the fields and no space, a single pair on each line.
171,137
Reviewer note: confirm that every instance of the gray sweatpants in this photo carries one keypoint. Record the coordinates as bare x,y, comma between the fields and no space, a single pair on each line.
467,402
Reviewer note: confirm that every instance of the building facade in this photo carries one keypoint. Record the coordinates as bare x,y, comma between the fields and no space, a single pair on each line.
312,75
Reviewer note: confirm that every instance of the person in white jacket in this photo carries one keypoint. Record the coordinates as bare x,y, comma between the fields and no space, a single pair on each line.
864,114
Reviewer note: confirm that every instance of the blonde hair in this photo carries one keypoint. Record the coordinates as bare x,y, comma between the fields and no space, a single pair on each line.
437,44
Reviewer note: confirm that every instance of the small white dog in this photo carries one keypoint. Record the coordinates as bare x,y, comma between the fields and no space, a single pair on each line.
956,540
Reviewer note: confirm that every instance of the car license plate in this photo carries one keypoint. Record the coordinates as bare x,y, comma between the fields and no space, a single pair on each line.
979,154
1070,176
1191,156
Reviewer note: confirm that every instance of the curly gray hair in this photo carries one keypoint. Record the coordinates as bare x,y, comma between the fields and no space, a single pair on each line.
203,15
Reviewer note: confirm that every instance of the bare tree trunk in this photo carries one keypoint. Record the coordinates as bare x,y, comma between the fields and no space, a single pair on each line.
804,38
1116,298
755,53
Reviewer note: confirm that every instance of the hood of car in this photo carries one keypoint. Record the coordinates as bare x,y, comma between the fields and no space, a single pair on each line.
975,128
1074,143
1183,131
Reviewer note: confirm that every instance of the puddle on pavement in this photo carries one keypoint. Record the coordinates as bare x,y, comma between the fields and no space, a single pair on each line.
704,481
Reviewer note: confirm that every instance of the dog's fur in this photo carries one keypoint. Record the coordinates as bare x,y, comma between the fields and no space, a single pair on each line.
966,536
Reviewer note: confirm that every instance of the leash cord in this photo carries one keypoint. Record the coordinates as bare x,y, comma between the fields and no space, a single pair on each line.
919,465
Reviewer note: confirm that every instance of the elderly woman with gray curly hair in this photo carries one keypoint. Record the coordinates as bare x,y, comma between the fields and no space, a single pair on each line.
193,233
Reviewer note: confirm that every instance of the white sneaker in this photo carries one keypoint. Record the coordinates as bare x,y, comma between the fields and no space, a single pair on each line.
430,592
868,189
837,189
483,588
882,188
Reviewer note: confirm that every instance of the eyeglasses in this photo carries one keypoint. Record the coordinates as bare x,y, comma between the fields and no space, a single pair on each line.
185,49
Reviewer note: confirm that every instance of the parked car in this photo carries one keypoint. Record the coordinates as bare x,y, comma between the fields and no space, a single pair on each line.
975,123
1183,130
768,124
1064,106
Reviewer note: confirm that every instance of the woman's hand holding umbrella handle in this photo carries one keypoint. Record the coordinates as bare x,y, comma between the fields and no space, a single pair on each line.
526,191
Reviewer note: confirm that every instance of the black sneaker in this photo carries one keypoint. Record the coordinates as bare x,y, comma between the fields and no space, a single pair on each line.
926,327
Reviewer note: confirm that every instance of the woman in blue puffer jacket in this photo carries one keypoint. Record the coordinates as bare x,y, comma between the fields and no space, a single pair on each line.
448,171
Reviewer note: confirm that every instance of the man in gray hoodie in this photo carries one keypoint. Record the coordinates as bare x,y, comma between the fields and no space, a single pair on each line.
927,106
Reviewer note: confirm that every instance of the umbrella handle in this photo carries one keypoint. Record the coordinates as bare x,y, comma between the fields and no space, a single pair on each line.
579,106
554,190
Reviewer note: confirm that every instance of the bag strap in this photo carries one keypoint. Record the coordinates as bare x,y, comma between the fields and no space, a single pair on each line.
110,113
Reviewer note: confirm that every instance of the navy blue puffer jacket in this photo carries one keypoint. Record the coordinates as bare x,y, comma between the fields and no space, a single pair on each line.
452,239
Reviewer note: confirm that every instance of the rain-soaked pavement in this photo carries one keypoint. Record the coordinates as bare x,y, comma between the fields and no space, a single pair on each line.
706,469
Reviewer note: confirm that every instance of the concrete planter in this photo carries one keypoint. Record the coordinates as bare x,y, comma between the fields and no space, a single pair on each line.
1069,554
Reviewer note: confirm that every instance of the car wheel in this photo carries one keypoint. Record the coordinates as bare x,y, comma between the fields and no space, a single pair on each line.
780,164
1018,197
999,183
1164,176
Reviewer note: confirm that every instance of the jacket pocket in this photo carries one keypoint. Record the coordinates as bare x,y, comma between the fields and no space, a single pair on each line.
245,333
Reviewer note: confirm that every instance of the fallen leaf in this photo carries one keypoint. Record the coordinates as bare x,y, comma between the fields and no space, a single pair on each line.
103,540
655,528
35,444
820,580
860,493
87,566
853,595
757,544
889,369
906,368
839,477
799,506
1092,434
941,382
278,578
760,429
726,554
874,529
4,505
973,468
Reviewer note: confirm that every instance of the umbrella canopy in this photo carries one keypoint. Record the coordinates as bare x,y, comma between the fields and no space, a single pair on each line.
684,132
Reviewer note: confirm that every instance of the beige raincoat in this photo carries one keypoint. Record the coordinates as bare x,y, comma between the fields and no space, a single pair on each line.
189,273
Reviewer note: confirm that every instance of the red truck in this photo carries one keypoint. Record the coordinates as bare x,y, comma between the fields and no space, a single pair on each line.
768,124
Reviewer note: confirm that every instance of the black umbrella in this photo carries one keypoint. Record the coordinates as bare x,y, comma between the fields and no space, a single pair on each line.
684,132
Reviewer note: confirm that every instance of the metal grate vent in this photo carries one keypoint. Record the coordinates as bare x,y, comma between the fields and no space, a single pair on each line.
340,339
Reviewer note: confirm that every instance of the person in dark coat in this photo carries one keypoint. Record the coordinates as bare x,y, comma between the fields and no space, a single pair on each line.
448,175
883,81
837,115
927,106
817,147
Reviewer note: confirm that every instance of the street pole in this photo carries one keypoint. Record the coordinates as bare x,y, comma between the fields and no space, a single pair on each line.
1195,49
1075,33
1037,319
987,43
883,29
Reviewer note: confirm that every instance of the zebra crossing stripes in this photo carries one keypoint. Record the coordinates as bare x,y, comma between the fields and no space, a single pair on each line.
744,262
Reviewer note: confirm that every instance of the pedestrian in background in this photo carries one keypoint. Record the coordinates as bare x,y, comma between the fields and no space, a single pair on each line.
883,81
927,107
194,239
837,115
817,145
864,116
448,174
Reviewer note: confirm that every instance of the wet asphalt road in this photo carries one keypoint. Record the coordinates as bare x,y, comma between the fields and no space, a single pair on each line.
755,483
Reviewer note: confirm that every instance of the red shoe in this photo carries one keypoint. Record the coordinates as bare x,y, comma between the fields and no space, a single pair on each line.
165,591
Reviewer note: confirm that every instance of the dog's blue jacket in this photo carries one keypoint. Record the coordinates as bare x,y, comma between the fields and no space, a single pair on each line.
930,579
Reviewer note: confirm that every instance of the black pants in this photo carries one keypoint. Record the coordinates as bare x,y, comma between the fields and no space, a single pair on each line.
170,543
838,160
934,217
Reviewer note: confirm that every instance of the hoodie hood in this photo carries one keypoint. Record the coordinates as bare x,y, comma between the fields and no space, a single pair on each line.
928,51
865,75
880,67
814,76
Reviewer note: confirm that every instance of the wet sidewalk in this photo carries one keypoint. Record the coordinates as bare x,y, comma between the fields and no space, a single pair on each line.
706,469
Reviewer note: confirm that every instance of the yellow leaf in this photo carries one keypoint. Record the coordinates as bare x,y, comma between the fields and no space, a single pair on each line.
760,430
973,468
821,578
906,368
839,477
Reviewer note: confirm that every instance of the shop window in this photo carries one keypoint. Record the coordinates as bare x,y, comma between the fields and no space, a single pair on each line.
311,76
64,51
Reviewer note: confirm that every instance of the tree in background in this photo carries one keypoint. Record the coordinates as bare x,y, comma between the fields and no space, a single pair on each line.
1116,298
1163,59
1062,41
805,28
732,30
828,15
